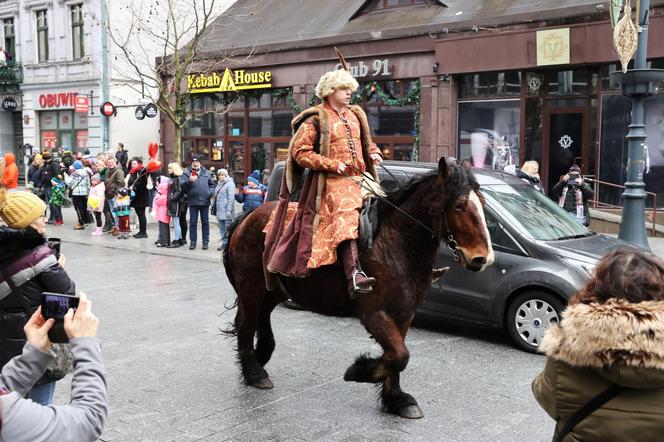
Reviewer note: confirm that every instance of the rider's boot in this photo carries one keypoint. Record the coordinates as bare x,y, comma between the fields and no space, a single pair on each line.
358,281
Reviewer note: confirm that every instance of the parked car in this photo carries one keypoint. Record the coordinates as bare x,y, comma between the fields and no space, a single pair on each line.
542,257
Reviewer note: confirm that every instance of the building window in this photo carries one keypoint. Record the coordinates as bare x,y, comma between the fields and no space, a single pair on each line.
10,39
78,50
489,133
490,84
42,36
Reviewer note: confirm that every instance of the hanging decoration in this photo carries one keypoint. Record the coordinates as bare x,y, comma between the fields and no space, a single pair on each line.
625,37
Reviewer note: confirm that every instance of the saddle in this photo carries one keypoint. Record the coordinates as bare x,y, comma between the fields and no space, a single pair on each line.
368,224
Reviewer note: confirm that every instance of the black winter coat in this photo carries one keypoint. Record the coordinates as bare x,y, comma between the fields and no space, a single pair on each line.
140,188
175,197
25,257
48,171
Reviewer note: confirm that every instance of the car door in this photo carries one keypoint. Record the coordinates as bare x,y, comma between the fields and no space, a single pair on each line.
463,293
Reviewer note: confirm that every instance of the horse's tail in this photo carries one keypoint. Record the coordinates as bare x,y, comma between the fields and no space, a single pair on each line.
232,328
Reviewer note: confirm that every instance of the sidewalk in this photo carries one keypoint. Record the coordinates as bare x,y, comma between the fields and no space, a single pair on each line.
144,245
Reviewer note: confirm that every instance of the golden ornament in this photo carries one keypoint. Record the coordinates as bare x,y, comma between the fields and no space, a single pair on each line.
625,37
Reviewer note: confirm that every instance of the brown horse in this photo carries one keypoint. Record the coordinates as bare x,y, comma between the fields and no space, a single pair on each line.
443,205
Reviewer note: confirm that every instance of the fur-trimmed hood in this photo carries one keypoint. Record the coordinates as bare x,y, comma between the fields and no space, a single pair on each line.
16,242
623,340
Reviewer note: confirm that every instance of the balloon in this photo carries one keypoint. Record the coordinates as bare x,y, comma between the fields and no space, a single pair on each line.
153,165
153,148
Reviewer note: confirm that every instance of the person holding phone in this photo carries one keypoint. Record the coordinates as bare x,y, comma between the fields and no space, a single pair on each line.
28,267
80,420
573,194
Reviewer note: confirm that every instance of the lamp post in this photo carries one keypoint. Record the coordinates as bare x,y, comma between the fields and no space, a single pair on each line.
637,83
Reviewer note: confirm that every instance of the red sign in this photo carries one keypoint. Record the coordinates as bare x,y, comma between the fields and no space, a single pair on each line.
81,105
49,139
63,99
107,109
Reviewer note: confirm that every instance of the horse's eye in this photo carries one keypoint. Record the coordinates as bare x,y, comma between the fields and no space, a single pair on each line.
459,207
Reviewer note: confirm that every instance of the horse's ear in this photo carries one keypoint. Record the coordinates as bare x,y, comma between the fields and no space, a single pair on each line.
444,164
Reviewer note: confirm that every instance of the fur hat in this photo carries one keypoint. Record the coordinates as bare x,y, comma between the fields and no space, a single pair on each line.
20,209
255,177
333,80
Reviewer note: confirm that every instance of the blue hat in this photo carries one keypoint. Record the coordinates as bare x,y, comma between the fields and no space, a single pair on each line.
78,164
255,177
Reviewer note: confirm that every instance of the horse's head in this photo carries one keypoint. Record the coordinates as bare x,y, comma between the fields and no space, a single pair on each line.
464,226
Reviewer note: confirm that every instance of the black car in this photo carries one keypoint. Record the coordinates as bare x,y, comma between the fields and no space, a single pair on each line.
542,257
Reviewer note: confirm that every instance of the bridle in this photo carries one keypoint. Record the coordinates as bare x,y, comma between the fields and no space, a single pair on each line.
448,237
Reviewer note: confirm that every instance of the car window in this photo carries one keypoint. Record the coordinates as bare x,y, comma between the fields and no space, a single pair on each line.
534,213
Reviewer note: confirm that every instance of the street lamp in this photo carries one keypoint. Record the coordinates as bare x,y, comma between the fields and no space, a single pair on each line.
637,83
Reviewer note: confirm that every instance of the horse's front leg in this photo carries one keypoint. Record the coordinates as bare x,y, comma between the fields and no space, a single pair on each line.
386,369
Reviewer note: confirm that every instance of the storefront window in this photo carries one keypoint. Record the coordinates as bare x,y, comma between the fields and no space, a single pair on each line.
574,82
65,129
533,130
490,84
260,156
391,120
270,123
236,123
616,111
489,133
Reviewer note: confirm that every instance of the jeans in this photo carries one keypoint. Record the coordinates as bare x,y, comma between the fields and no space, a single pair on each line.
177,227
42,394
205,223
224,224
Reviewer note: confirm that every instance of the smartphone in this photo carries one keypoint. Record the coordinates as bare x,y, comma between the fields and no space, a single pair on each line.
54,244
56,306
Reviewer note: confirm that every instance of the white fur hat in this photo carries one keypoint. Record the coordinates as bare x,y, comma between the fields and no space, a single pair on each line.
333,80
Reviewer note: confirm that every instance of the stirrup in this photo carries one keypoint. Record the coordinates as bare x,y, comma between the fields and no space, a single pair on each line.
366,287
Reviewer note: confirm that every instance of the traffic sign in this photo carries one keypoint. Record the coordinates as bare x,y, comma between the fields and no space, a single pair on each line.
107,109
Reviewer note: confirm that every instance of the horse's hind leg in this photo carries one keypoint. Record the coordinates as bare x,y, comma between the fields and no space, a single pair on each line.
246,322
265,338
386,370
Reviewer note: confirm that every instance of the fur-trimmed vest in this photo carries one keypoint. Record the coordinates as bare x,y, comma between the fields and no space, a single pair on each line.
597,345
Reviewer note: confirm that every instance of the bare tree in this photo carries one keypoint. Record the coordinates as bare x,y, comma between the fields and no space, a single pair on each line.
157,45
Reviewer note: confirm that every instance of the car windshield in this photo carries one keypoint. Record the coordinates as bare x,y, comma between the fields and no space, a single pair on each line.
534,213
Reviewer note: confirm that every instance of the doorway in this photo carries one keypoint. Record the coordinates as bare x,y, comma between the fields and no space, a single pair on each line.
565,143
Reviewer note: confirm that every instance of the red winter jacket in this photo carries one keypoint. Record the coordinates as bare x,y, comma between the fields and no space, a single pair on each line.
10,178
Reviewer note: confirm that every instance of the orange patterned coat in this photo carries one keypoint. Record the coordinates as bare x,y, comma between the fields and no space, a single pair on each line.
339,196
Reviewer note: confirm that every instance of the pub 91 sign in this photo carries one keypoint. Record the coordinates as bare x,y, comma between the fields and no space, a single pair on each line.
9,104
229,81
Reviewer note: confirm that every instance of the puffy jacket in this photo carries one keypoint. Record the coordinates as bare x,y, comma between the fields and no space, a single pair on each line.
49,170
30,263
251,198
175,197
138,182
98,192
79,182
224,198
10,177
594,346
160,203
198,192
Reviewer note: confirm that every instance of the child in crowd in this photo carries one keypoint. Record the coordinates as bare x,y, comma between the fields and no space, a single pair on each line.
253,194
160,211
57,198
121,209
96,201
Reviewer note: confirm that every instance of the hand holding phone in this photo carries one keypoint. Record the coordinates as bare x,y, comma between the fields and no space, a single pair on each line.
36,331
81,322
56,306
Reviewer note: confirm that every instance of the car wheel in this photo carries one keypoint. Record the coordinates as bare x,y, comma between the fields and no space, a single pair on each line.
530,315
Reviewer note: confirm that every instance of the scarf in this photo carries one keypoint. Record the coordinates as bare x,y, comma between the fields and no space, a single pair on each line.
579,201
138,168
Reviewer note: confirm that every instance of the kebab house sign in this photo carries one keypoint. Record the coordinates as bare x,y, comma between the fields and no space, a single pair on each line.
229,81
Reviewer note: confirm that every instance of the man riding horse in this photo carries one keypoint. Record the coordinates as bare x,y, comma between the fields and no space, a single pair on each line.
333,141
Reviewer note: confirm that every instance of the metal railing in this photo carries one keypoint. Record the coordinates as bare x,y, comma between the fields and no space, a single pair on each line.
11,76
596,204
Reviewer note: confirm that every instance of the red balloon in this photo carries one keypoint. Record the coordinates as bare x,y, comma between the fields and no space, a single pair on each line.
153,148
153,165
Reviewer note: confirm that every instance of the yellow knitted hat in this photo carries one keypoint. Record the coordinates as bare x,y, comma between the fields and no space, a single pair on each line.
20,209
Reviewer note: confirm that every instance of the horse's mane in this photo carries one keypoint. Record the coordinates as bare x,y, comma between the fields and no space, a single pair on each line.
460,181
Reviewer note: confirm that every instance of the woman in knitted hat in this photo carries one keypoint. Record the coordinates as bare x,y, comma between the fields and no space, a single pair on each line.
28,267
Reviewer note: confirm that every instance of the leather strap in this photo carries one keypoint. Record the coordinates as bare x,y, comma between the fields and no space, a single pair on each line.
585,411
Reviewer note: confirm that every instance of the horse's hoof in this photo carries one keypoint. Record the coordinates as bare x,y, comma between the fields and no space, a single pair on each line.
263,383
411,412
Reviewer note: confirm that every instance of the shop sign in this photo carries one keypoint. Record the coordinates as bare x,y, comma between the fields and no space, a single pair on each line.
107,109
376,68
139,112
82,104
9,104
553,47
62,99
228,82
150,110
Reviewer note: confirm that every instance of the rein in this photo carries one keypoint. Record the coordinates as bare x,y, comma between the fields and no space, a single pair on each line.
447,237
